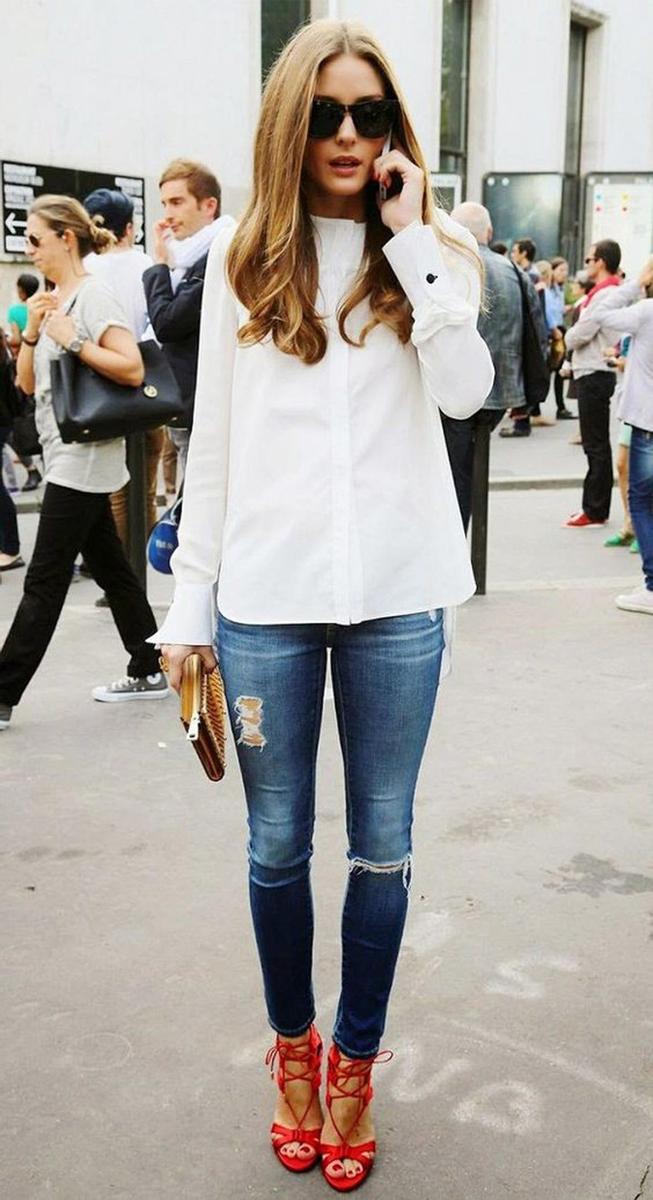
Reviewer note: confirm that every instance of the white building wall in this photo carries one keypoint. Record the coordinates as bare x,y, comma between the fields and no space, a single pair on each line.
128,86
518,86
411,35
618,119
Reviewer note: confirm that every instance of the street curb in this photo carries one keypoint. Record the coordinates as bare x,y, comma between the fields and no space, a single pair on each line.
32,503
528,482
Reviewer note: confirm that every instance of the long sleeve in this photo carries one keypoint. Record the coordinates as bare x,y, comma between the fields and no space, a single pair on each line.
627,320
454,360
195,564
613,311
174,315
590,320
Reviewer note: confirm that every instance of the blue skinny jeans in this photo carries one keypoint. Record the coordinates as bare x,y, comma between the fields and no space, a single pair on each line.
385,679
640,497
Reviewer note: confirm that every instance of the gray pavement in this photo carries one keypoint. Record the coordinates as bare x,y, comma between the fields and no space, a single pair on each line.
521,1019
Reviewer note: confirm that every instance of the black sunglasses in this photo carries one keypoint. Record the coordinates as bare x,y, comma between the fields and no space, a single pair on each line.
35,239
372,118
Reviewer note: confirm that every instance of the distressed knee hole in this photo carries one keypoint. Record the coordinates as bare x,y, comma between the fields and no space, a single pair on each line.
249,719
358,866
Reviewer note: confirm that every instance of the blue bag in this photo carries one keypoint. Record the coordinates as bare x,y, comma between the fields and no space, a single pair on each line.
163,539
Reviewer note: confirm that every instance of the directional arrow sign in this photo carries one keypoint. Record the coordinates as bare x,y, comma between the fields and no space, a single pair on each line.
13,223
22,183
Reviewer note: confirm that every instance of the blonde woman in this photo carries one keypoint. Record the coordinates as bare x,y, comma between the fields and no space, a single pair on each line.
335,323
82,317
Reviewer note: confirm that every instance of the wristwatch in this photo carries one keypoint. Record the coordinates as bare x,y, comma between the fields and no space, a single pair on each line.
75,346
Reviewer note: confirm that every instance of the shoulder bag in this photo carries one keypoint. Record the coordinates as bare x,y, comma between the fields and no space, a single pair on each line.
88,407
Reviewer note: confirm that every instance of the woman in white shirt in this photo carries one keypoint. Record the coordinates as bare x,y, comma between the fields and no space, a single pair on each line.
334,325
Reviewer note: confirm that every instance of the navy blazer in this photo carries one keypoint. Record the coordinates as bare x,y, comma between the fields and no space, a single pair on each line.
175,318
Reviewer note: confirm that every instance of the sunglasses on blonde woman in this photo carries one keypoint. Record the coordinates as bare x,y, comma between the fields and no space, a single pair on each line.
35,239
372,118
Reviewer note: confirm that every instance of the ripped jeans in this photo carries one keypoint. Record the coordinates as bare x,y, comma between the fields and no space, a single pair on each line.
385,680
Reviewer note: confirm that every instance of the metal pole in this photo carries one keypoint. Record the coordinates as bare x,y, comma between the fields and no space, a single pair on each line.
480,490
137,507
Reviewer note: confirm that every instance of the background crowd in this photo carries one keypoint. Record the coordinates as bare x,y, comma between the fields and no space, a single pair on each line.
552,336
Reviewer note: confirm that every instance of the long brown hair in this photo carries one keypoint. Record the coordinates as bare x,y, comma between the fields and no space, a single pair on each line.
272,261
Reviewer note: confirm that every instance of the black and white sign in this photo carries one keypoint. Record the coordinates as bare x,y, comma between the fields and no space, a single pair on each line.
22,183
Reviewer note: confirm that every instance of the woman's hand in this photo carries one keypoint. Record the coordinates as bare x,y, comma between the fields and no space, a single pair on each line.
399,211
175,657
61,328
38,307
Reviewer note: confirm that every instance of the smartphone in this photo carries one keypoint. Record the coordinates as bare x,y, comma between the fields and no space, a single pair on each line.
383,191
397,182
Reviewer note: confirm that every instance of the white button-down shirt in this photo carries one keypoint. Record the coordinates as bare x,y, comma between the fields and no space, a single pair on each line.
323,493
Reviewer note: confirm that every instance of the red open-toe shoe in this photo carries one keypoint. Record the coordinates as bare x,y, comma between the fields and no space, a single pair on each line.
340,1073
304,1155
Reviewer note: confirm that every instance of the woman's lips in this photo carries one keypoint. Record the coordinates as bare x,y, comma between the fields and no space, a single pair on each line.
345,166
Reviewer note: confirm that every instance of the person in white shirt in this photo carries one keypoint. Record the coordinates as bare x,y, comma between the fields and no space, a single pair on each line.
621,311
121,269
337,319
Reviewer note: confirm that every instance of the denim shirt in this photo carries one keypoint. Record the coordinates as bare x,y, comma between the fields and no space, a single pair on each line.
554,306
500,326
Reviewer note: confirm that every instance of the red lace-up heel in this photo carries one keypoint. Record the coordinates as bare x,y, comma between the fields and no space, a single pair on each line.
308,1055
341,1074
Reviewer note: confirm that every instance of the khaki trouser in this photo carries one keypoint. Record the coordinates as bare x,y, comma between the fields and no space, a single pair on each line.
153,446
169,464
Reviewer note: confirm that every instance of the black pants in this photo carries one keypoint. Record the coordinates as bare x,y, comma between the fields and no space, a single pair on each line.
559,389
71,522
460,437
594,392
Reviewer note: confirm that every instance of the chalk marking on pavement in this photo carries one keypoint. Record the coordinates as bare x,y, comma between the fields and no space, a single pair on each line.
427,931
522,1108
408,1056
643,1104
113,1047
513,980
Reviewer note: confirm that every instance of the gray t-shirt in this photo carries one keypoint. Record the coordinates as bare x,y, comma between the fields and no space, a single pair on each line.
97,466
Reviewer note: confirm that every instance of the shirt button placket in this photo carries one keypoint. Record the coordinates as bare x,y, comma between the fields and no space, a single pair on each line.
340,467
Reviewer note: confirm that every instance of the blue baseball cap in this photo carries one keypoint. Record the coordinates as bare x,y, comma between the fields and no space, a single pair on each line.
116,209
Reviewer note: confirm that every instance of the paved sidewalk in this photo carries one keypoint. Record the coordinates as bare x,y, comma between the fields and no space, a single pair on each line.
521,1020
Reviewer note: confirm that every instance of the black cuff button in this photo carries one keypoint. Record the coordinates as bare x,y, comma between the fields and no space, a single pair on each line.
431,278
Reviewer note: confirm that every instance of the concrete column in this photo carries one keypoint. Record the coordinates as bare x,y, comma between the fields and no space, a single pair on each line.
411,35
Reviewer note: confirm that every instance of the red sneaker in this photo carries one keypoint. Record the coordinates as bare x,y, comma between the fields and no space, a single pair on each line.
580,520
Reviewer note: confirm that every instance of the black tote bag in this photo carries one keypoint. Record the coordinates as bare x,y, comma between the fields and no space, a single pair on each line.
88,407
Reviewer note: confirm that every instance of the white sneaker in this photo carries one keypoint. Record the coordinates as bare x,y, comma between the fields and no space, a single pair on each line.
641,600
152,687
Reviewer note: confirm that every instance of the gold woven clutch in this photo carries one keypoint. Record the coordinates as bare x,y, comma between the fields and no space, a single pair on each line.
203,715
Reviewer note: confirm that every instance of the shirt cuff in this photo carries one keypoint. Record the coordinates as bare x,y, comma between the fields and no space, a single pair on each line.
416,258
191,617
